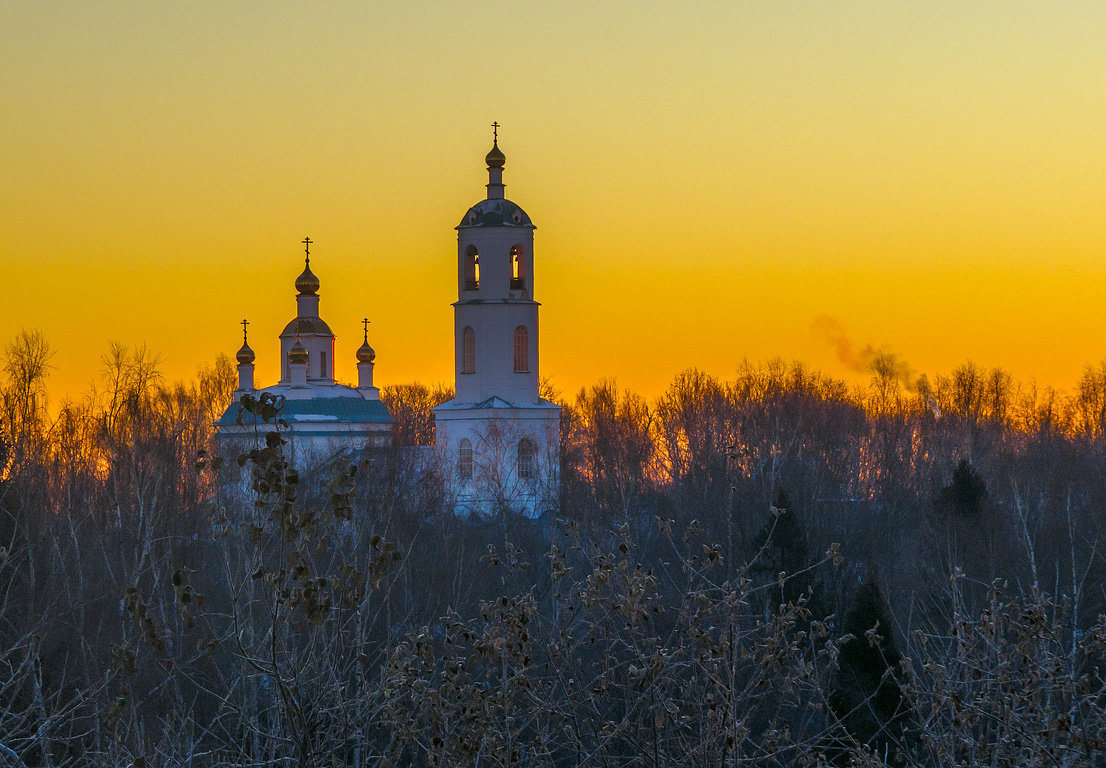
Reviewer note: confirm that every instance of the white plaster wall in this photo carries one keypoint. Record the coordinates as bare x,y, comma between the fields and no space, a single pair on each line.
494,326
304,451
495,435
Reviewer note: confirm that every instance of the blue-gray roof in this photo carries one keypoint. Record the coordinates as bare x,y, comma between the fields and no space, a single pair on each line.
342,410
496,213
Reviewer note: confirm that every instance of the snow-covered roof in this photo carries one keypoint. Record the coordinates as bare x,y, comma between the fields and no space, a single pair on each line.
316,403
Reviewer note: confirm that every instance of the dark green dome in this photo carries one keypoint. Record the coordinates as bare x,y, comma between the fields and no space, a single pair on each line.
496,213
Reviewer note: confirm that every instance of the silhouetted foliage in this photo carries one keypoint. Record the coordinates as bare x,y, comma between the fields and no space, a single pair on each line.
412,406
253,615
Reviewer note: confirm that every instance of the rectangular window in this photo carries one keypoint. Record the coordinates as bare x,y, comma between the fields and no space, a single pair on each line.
526,459
464,460
322,364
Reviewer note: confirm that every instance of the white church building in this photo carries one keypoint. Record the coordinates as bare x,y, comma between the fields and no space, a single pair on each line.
323,417
498,440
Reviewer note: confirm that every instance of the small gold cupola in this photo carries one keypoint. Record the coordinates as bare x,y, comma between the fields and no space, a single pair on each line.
365,357
245,355
495,158
298,354
365,353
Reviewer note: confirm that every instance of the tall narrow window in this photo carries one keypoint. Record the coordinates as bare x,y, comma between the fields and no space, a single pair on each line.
472,269
518,280
322,364
522,349
464,459
525,459
468,350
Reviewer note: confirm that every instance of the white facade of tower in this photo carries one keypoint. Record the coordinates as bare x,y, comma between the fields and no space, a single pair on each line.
498,439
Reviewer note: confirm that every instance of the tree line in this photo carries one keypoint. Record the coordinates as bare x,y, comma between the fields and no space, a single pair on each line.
775,569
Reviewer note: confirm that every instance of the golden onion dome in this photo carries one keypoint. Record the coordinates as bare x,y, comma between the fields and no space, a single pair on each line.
245,355
365,353
495,158
298,354
307,284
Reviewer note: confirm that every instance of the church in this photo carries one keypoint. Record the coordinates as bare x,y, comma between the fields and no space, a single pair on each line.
323,417
497,441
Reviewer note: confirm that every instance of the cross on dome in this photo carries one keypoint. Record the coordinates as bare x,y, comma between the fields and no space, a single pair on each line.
495,159
307,284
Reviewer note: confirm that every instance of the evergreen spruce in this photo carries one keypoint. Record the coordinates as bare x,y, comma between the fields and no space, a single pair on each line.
865,695
780,548
965,494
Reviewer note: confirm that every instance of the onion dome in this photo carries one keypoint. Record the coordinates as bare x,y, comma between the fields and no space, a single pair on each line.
495,158
298,354
245,355
307,284
365,353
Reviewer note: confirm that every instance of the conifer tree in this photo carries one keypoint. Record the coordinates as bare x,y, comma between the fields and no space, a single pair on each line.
865,696
965,494
781,548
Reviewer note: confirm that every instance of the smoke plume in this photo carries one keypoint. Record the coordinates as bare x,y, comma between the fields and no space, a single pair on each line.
880,362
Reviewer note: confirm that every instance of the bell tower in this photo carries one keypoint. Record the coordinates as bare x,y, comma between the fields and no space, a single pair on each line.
498,437
495,315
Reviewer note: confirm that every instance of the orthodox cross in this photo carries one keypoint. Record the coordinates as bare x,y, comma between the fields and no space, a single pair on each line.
307,247
244,324
365,324
495,132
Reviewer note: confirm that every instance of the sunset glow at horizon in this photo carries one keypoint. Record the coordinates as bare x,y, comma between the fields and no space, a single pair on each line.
712,182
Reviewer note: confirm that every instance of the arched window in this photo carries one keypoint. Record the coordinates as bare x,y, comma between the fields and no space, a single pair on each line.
518,279
525,459
472,269
522,349
464,459
468,350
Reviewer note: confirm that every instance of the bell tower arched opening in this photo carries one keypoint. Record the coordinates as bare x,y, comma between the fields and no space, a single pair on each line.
472,269
518,269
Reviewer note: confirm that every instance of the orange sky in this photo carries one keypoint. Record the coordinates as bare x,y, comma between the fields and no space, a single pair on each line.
707,178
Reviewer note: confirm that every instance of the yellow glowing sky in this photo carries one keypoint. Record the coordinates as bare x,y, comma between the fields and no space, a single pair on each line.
707,178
